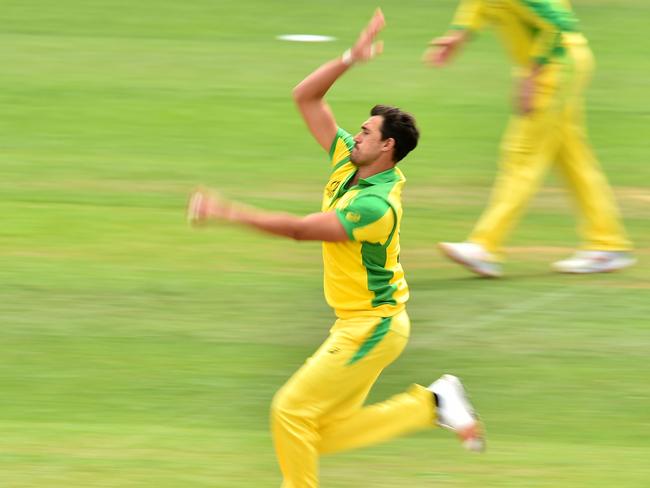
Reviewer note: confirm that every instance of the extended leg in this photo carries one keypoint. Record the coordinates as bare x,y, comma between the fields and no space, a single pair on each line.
600,219
333,383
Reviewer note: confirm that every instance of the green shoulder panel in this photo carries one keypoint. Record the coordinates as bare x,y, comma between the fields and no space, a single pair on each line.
341,148
362,211
553,12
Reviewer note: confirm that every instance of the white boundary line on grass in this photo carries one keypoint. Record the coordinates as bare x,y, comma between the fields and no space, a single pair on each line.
305,38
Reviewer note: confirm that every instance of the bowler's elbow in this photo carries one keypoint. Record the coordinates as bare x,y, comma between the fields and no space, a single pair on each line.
298,94
300,234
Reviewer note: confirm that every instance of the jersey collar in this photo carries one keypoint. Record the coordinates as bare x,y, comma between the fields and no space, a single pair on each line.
389,176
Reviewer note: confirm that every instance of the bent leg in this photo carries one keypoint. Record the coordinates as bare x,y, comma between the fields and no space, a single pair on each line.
350,426
407,412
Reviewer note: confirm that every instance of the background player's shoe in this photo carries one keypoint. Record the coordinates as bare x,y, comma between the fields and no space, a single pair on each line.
473,256
583,262
454,412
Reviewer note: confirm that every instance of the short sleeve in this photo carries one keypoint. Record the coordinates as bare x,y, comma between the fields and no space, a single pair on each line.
550,20
469,16
341,148
368,218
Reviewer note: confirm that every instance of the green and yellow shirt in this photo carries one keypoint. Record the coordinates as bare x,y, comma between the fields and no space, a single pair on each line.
363,276
533,31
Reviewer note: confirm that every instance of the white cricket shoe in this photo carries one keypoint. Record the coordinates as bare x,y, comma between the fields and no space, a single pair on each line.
583,262
455,413
473,256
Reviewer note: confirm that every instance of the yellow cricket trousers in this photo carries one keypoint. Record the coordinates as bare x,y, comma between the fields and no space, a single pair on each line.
320,409
554,132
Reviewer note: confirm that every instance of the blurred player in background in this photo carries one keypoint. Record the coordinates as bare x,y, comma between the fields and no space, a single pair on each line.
321,408
553,66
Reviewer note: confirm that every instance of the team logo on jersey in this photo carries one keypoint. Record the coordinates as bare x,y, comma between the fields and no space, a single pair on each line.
331,187
352,217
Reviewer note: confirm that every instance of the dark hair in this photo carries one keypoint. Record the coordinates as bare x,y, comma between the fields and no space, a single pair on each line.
400,126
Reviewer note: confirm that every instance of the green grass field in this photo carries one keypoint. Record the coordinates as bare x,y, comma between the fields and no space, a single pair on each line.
135,352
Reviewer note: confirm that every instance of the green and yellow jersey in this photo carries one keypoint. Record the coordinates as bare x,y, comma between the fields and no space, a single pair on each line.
363,276
533,31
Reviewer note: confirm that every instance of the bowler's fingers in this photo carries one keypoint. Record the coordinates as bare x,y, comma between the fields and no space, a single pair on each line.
194,206
365,47
376,24
378,21
377,48
201,203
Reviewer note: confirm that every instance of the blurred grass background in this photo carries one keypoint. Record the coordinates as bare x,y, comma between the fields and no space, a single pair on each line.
135,352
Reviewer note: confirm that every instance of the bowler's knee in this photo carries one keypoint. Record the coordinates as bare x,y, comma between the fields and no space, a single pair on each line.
289,408
282,406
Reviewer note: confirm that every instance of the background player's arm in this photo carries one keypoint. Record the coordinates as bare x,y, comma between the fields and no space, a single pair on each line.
550,21
322,226
309,93
468,18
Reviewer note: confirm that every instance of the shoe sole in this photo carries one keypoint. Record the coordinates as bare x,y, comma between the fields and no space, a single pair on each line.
457,258
472,436
631,262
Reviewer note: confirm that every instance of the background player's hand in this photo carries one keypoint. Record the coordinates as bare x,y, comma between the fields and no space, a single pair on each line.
366,48
442,49
204,206
526,95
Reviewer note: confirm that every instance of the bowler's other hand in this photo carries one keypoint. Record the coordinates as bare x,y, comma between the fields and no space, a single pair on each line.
204,206
442,49
366,48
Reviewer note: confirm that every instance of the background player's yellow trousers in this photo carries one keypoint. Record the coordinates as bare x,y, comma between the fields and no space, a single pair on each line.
554,132
320,409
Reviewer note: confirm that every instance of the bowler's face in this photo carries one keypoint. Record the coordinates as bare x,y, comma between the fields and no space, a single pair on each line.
368,142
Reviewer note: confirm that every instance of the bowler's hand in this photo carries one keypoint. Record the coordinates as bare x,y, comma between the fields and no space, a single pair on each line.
366,48
442,49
